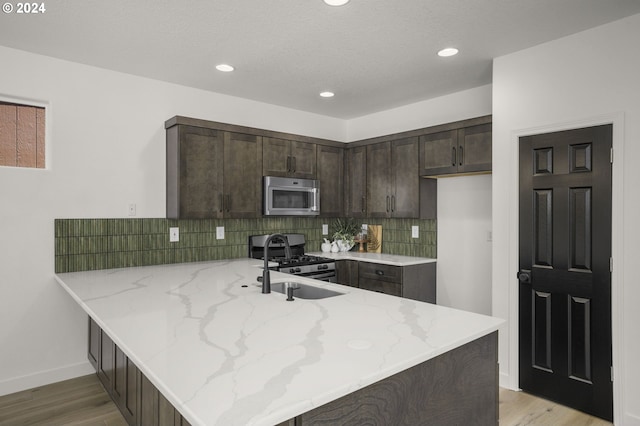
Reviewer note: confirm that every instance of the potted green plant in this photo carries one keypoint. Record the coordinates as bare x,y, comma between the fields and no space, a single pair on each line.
344,233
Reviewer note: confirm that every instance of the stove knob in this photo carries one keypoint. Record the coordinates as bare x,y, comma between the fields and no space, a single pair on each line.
291,271
298,270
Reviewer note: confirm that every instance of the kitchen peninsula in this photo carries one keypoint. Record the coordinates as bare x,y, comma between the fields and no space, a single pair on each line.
221,352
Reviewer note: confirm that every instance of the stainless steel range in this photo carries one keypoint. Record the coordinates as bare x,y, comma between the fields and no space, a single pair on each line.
319,268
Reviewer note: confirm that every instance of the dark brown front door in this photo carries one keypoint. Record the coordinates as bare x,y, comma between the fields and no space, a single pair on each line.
565,278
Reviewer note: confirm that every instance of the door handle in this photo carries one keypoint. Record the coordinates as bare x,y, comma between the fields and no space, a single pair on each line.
461,156
388,204
524,276
363,203
393,203
294,164
288,164
453,156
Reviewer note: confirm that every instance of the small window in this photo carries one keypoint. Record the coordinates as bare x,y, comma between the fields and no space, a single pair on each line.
22,132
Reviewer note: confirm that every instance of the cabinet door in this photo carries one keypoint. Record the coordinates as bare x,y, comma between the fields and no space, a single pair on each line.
331,177
347,272
356,177
125,387
93,352
286,158
405,197
276,156
474,148
106,362
303,160
439,153
194,173
378,180
242,175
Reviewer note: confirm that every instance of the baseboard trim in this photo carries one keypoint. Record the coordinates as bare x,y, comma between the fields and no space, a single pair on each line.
45,377
630,420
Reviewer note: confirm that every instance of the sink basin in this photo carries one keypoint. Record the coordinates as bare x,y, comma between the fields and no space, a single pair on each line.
304,291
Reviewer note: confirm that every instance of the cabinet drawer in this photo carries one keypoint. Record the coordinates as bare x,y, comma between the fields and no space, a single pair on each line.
378,272
386,287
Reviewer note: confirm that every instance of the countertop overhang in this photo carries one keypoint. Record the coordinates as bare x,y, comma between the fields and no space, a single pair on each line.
224,353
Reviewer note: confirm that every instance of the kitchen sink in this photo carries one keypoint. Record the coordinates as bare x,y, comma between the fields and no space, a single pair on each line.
304,291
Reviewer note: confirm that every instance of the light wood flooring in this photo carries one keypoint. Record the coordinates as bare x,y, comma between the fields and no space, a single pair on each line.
83,402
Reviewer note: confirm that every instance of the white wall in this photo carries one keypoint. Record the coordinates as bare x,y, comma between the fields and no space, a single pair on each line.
589,78
464,252
445,109
105,149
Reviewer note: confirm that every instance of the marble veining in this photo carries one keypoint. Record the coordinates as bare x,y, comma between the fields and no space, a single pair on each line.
224,353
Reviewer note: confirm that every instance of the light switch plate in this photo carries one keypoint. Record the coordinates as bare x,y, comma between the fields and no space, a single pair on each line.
364,227
132,209
325,229
219,232
174,235
415,231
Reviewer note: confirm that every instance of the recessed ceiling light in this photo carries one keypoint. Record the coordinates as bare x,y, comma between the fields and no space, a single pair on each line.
449,51
336,2
327,94
224,67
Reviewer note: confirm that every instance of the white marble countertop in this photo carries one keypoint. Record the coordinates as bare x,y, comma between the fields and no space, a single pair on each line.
223,353
388,259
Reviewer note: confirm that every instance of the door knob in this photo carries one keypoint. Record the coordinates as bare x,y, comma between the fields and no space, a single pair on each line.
524,276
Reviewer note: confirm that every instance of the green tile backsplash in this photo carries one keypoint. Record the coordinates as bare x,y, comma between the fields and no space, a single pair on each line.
89,244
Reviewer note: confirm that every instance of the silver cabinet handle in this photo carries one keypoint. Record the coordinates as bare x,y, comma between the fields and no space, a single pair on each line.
461,155
388,204
453,156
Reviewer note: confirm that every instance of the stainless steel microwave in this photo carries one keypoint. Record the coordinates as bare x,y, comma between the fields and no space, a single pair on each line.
290,197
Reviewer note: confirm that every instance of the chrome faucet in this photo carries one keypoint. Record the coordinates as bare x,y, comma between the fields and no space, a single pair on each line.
266,277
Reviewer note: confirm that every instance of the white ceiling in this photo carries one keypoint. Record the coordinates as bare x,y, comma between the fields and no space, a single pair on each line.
374,54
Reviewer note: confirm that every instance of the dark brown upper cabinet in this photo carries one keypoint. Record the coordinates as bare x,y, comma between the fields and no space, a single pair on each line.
213,174
356,181
331,177
466,150
286,158
393,183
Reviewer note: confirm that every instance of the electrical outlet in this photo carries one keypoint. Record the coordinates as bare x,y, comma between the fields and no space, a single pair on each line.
415,231
219,232
174,235
132,209
325,229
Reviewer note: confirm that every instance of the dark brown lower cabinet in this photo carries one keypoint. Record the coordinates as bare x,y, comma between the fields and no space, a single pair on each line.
417,282
136,397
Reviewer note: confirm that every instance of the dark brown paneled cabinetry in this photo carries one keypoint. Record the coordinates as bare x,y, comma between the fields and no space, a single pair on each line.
393,183
356,181
465,150
330,162
288,158
213,173
136,397
416,282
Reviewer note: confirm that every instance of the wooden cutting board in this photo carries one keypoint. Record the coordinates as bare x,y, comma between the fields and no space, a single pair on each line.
374,238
